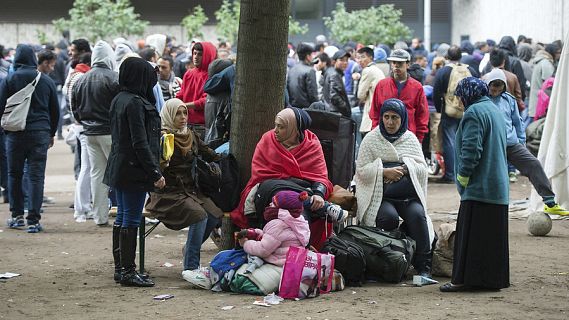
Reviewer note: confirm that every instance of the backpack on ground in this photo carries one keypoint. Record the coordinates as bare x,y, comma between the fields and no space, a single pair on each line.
17,107
350,259
388,253
453,105
224,266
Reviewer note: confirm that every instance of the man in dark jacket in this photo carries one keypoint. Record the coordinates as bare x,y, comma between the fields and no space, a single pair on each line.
449,124
217,112
301,80
30,145
92,97
333,91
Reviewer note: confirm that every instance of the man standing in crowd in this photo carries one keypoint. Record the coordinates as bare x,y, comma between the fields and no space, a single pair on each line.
446,102
169,83
371,75
333,91
301,80
46,62
406,89
203,53
544,66
93,94
29,147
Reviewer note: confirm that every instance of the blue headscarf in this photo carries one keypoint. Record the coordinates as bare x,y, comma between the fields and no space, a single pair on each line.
398,107
470,90
303,121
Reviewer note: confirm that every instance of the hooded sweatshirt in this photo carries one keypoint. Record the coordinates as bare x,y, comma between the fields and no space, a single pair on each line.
277,236
506,103
193,84
543,69
158,42
43,114
94,92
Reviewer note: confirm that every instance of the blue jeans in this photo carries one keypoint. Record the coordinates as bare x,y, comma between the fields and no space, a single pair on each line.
197,235
450,126
27,148
129,207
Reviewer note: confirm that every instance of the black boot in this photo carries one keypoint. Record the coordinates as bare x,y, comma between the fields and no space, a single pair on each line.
117,252
129,276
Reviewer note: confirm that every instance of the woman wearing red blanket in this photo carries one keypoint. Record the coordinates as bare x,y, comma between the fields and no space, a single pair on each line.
290,154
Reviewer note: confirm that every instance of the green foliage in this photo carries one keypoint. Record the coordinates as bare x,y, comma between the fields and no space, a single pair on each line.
294,27
379,24
42,36
227,17
194,22
102,19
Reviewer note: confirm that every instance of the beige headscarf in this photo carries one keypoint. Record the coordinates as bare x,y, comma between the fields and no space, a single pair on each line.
291,135
183,137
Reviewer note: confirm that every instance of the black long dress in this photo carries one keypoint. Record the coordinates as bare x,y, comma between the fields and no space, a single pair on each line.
481,253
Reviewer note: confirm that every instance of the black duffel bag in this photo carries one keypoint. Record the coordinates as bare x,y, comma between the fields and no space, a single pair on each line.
388,253
350,259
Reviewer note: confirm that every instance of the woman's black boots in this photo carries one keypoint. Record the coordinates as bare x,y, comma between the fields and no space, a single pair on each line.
129,276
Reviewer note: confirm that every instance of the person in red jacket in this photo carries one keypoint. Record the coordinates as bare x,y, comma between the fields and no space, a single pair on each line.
406,89
203,53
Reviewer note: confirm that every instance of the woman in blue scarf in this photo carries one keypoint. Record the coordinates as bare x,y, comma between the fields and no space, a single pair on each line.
391,182
481,243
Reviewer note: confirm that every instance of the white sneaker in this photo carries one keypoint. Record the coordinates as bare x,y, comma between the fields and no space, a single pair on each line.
336,212
81,218
198,277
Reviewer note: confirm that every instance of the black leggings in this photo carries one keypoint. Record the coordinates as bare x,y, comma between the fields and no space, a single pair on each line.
413,215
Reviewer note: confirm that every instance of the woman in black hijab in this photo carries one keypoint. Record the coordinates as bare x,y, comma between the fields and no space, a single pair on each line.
133,168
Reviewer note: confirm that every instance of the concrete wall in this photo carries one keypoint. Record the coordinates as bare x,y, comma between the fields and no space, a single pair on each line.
14,33
541,20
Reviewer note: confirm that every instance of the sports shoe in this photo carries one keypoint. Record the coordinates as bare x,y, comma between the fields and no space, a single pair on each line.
556,209
35,228
198,277
81,218
336,212
513,177
17,222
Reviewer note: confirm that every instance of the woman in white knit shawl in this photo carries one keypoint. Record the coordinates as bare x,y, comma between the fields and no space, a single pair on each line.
391,182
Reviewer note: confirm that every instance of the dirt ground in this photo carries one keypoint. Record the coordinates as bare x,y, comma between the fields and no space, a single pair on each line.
66,273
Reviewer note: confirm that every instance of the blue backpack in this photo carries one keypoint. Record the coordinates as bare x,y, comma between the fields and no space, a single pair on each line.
223,267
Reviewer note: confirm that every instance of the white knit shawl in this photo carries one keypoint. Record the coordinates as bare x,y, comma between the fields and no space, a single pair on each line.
375,150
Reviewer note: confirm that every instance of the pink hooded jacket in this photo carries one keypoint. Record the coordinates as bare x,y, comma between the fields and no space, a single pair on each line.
278,235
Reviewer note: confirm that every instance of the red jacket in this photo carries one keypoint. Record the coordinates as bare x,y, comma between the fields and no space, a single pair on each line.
414,98
193,83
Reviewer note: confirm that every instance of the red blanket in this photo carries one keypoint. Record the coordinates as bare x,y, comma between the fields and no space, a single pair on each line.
273,161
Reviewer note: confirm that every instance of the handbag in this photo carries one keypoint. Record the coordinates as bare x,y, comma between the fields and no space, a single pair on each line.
207,176
303,274
17,107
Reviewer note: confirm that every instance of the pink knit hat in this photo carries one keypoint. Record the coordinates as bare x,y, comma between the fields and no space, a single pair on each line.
291,201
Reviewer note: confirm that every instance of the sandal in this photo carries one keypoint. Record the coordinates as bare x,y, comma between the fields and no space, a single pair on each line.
449,287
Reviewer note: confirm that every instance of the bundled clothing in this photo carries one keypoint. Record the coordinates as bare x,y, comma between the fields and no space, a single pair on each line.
412,94
193,85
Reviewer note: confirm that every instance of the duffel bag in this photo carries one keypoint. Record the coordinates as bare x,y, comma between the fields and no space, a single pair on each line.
388,253
350,259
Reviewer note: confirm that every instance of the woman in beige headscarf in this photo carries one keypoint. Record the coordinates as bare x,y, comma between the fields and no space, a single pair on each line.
180,204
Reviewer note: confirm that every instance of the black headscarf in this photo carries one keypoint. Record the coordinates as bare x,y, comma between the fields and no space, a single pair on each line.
303,121
470,90
398,107
137,76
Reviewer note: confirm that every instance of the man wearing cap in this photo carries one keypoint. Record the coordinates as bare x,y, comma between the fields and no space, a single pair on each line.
406,89
333,91
301,80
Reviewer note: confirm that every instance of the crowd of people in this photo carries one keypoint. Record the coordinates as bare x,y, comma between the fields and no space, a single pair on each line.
471,105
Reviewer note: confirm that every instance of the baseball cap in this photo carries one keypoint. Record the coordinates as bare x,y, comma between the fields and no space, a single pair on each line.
399,55
340,54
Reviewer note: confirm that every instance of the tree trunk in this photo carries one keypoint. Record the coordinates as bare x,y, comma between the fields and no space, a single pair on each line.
260,76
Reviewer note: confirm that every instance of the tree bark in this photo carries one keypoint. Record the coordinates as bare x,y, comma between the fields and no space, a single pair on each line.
260,76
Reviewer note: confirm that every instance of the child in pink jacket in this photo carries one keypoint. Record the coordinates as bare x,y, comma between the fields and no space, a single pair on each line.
285,227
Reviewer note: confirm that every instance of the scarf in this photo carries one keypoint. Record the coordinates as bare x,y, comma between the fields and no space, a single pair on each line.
138,77
398,107
183,137
470,90
289,134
